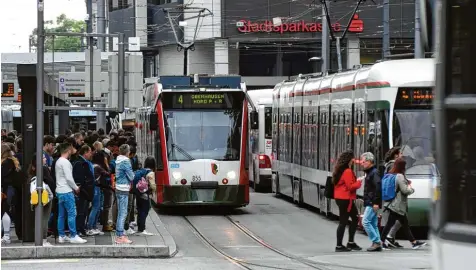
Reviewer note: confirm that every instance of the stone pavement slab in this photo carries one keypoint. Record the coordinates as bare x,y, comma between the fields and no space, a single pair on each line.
159,245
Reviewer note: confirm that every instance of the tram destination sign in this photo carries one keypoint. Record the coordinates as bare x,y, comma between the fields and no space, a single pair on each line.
207,100
414,97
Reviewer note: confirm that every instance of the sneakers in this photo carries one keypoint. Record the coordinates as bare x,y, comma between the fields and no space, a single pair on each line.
385,247
6,240
78,240
342,249
418,244
92,232
375,247
98,231
130,231
63,239
353,246
123,240
392,243
146,233
46,243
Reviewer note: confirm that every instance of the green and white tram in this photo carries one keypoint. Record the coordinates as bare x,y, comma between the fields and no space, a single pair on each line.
369,109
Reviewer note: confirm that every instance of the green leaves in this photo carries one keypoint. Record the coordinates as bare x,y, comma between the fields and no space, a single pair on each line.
60,43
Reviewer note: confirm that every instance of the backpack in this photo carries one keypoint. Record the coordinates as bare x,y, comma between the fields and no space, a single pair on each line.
389,187
329,190
140,185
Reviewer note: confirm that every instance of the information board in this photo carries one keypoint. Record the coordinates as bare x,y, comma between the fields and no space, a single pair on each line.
8,89
208,100
414,97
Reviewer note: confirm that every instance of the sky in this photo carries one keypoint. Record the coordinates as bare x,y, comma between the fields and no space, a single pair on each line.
19,17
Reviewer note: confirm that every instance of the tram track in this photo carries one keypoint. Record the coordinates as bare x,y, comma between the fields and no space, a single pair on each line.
244,264
310,263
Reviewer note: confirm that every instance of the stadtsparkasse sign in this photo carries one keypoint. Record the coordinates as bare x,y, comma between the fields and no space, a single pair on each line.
246,26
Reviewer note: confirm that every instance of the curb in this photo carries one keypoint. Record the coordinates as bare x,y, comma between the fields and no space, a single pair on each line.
168,239
33,252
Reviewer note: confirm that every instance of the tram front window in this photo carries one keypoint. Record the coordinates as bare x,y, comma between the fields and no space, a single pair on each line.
198,134
412,131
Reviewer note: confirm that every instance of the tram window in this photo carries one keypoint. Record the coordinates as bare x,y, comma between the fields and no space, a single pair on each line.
377,134
267,123
461,180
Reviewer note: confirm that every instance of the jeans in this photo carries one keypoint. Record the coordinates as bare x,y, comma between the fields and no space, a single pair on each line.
130,211
344,219
93,216
370,223
143,207
391,221
66,204
122,198
82,205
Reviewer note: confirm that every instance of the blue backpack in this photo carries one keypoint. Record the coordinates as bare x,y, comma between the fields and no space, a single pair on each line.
389,187
138,176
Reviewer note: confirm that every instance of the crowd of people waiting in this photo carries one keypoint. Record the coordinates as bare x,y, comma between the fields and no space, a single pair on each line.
93,179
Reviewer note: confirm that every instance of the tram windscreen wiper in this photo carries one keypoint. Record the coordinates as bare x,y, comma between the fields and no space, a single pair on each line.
180,149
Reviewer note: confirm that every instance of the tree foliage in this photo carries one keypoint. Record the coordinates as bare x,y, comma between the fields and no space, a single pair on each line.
61,43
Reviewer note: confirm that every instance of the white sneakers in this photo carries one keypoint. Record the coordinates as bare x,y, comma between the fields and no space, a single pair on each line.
94,232
130,231
146,233
46,243
6,239
74,240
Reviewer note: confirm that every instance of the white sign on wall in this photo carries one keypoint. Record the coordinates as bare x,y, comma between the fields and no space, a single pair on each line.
71,82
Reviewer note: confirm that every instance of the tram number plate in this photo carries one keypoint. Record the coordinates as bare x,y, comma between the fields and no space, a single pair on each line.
196,178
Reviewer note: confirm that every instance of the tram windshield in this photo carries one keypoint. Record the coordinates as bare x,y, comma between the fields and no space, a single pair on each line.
412,130
199,134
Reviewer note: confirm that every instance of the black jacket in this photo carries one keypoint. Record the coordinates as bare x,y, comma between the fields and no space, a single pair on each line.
373,188
84,178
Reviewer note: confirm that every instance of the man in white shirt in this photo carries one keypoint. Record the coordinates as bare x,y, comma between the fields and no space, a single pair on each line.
65,186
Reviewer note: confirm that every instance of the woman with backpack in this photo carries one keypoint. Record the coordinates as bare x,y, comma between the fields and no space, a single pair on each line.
144,185
345,192
48,182
397,206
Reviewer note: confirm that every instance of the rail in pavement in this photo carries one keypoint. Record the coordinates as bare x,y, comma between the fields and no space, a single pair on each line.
159,245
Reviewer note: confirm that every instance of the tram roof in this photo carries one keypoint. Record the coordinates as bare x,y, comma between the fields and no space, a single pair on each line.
395,73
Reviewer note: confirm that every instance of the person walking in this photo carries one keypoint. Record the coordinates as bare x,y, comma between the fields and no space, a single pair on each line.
399,205
372,200
124,177
392,155
345,193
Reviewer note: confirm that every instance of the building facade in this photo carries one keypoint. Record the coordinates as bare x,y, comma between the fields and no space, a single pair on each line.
265,40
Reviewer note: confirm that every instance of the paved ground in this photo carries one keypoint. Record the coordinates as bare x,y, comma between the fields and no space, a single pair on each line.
301,239
160,244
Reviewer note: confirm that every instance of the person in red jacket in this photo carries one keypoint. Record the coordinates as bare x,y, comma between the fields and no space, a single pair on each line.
345,193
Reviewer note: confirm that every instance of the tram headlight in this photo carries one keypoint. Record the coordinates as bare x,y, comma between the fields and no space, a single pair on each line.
177,175
231,175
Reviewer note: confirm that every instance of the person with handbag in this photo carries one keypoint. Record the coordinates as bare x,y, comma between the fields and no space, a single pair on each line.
47,183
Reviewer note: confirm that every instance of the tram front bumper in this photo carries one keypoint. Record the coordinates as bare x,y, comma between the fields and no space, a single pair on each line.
225,195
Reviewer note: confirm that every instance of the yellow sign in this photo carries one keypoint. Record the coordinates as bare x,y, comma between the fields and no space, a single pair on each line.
196,99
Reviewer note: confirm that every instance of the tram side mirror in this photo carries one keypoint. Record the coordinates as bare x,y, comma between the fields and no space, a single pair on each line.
254,120
153,121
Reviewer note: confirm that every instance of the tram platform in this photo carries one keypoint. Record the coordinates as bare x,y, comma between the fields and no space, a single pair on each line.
159,245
